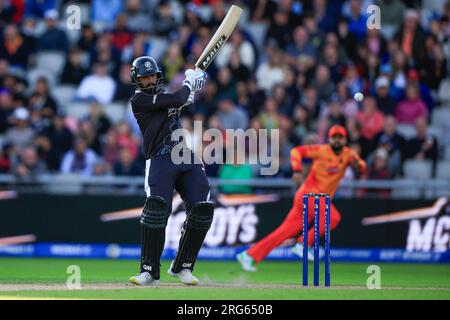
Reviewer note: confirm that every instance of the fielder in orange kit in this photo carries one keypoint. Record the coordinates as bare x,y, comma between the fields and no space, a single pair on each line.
329,164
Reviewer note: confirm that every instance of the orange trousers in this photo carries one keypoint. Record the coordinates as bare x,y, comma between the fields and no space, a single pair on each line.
292,225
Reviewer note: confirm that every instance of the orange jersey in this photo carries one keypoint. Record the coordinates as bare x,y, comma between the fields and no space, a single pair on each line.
327,169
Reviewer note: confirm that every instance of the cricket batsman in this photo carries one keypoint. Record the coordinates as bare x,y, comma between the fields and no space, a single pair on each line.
329,164
158,115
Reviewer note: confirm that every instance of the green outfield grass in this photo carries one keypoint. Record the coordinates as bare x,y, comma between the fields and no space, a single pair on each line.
107,279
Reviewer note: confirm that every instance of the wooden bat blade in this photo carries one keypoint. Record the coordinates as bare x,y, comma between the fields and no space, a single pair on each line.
219,38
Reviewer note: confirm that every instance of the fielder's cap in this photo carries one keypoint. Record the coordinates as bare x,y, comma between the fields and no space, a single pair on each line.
382,82
337,129
51,14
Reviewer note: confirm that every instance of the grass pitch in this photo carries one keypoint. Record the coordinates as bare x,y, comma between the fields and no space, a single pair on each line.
27,278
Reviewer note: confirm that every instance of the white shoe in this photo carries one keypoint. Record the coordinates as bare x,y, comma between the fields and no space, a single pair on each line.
246,261
298,250
185,276
144,279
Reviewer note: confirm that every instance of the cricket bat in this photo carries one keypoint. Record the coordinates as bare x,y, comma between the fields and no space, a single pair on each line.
219,38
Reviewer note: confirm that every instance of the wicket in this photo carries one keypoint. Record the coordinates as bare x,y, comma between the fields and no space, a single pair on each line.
305,223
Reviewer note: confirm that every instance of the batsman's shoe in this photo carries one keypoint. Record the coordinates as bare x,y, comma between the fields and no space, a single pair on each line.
185,276
298,250
144,279
246,261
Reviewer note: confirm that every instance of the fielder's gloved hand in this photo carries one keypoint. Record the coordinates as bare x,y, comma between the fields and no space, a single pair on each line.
195,80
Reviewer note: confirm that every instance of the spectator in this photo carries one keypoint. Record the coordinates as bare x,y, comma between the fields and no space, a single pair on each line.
126,140
370,118
357,20
394,143
6,109
226,85
20,135
98,118
239,70
15,48
302,123
104,12
164,20
385,101
270,118
121,36
88,133
39,7
235,171
356,140
279,31
125,88
173,61
238,44
41,101
54,38
231,116
322,83
5,161
138,19
74,71
412,107
411,38
379,170
87,39
59,140
393,12
435,63
413,77
79,160
207,101
110,148
349,105
29,164
126,166
301,44
353,80
270,72
334,112
256,97
423,145
98,85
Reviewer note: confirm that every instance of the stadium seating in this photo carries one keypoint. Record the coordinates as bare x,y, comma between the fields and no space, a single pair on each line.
447,153
51,62
115,112
441,117
444,91
406,193
34,74
77,109
258,32
443,170
406,130
418,169
158,47
64,94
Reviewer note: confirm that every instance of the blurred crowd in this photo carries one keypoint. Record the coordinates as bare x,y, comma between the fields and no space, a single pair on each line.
298,75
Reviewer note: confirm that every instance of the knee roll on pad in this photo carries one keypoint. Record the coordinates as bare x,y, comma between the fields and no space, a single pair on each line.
155,212
201,216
